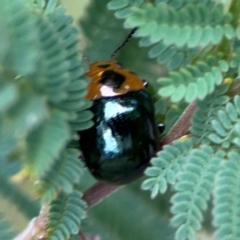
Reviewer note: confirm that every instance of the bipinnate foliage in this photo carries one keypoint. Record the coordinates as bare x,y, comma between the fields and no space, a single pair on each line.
226,198
226,125
65,172
165,166
65,215
43,105
194,186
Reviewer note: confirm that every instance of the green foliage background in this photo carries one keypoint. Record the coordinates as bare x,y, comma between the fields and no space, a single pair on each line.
187,50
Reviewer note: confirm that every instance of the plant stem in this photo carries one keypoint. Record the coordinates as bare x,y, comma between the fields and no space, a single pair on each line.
180,128
98,192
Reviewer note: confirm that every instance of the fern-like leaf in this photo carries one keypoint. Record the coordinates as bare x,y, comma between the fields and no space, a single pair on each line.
65,171
178,35
166,166
34,99
194,187
226,125
227,199
186,24
174,56
192,82
206,110
65,216
61,69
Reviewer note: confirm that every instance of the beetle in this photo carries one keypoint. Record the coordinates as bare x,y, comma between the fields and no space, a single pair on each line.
124,137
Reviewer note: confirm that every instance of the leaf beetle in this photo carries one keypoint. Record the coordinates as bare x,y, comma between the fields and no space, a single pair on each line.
124,137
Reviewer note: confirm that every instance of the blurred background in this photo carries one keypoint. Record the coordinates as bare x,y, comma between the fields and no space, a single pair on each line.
128,214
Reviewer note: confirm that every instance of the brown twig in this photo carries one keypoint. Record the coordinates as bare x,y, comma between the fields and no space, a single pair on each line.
36,227
82,235
181,127
97,192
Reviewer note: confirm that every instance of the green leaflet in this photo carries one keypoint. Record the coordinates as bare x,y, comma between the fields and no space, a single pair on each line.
121,14
117,4
166,166
65,216
194,187
65,171
82,122
176,61
5,232
226,198
206,110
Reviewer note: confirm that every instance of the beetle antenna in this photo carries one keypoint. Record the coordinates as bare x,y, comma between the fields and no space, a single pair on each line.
124,43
